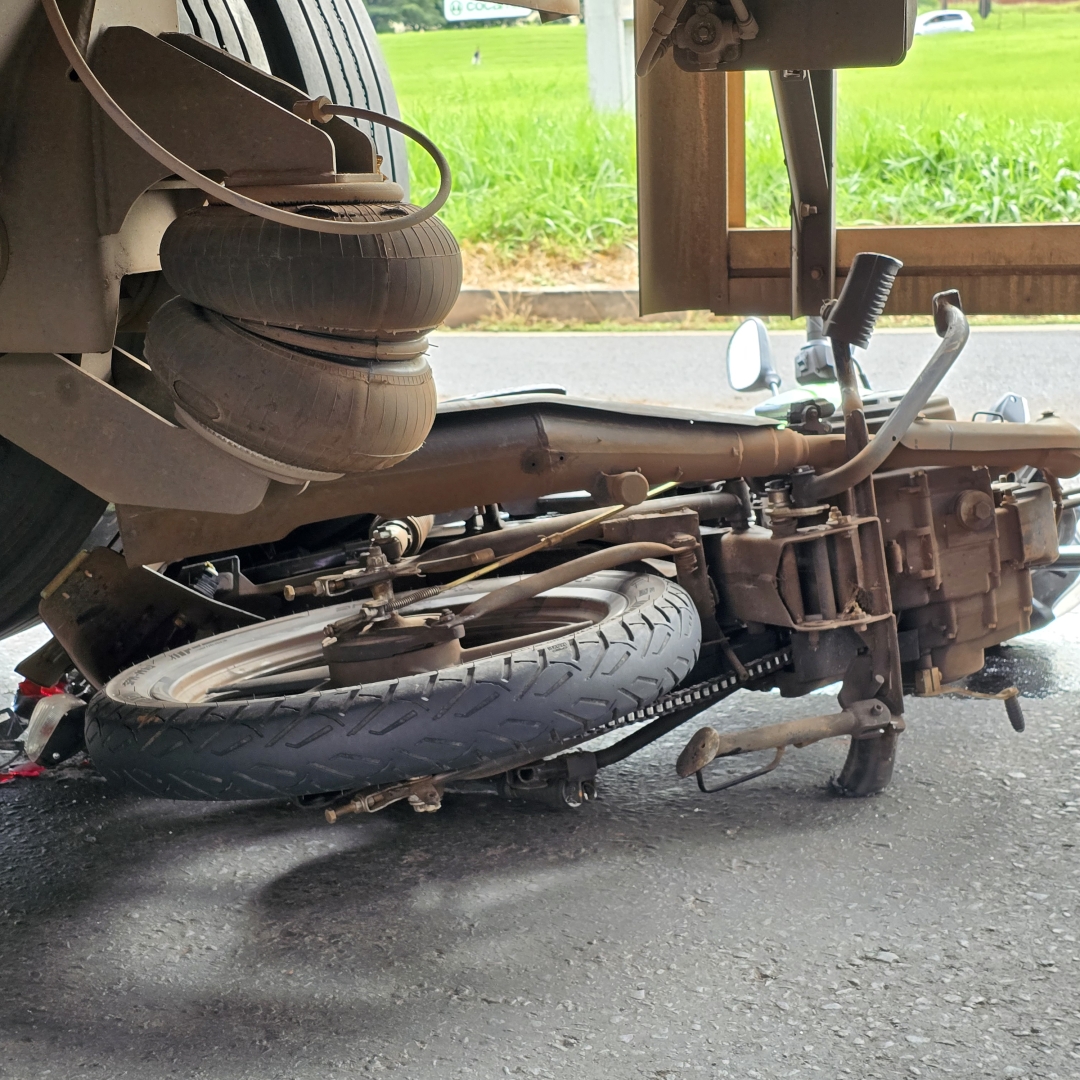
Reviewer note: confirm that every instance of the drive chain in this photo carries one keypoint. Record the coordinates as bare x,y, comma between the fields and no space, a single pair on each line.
710,691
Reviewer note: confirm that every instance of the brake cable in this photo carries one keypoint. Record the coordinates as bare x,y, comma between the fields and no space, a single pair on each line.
321,110
420,595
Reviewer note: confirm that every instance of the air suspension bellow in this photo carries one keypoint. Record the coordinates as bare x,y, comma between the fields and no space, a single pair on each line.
293,414
303,352
399,283
284,348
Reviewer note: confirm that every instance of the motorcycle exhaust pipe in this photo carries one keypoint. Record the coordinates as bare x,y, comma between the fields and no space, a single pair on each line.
496,454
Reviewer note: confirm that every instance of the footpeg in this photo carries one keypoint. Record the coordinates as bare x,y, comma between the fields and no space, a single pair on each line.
698,752
1015,712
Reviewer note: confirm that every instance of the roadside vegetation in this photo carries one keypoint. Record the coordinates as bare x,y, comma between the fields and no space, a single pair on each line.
970,128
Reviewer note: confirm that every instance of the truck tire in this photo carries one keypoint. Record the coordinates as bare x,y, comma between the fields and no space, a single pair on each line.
153,728
45,518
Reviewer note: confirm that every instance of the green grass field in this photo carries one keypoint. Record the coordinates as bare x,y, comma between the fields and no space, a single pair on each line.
970,128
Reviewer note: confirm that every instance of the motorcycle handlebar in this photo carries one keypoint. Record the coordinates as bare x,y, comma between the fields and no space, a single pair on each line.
952,326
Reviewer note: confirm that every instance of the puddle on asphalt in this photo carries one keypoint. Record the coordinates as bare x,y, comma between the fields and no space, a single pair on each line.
1039,664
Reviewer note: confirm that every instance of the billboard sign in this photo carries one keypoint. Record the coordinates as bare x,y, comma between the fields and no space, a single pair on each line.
460,10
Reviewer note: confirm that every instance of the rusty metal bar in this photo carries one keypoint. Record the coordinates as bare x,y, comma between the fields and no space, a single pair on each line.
709,505
708,744
806,110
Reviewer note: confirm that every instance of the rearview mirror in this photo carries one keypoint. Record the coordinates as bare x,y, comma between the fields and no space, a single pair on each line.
1012,409
749,359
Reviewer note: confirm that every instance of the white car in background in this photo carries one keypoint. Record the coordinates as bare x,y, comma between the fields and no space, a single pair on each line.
944,22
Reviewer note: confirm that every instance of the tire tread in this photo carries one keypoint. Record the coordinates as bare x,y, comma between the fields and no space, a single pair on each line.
489,710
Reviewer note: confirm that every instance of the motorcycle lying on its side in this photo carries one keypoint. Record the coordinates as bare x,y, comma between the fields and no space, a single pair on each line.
374,659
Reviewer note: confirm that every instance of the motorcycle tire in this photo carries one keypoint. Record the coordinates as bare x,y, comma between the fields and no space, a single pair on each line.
45,517
159,728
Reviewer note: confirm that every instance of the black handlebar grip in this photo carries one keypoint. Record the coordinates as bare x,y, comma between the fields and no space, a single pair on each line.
862,298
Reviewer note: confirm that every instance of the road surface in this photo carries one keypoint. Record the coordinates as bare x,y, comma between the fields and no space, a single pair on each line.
688,369
770,932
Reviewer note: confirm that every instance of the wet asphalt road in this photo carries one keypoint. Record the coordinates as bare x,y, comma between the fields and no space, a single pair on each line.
773,931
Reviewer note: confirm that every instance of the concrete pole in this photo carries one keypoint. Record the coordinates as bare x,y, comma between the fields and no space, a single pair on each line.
609,36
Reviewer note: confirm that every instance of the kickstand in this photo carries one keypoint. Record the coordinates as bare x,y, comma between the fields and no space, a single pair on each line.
741,779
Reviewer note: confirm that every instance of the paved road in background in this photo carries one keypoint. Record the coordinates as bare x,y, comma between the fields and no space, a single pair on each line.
688,368
770,932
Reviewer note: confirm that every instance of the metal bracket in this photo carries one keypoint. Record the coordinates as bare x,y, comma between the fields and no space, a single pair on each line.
204,116
114,446
108,616
424,795
806,110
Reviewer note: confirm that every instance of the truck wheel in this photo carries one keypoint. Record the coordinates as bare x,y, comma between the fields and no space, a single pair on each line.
45,518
